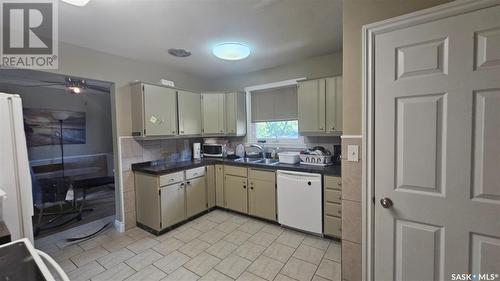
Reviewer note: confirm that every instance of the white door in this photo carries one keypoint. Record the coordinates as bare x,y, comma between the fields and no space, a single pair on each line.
437,148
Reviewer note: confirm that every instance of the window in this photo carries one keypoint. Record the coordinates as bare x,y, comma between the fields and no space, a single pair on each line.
277,130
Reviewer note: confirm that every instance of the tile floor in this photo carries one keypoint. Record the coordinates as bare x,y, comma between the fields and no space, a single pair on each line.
217,246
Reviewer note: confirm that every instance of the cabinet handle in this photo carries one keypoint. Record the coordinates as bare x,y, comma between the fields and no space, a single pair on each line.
182,132
173,132
251,187
244,186
188,182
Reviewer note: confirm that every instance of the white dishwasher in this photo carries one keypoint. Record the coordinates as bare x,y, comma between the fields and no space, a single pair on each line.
299,200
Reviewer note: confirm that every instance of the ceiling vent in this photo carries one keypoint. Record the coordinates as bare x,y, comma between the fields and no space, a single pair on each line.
181,53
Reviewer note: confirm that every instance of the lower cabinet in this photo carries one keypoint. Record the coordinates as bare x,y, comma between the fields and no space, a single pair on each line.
250,191
210,181
162,201
219,185
332,206
172,204
235,193
196,200
262,194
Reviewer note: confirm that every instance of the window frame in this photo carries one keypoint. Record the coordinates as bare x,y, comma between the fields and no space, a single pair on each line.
251,128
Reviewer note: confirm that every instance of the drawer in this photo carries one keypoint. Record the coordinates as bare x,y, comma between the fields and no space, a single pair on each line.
235,171
195,172
333,209
171,178
333,226
333,182
333,196
261,174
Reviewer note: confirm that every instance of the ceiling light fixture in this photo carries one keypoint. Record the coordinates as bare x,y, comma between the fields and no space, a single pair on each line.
79,3
180,53
75,86
231,51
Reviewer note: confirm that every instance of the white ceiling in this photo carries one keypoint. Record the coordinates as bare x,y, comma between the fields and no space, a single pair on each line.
278,31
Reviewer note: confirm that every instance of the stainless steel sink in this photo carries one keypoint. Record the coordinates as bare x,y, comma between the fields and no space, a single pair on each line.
247,160
267,162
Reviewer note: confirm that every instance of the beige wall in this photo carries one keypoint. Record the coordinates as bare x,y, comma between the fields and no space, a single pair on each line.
357,13
315,67
78,61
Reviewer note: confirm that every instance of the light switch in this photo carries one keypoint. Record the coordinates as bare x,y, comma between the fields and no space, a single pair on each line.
353,153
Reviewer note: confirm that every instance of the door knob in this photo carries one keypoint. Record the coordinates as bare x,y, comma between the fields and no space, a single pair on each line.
386,203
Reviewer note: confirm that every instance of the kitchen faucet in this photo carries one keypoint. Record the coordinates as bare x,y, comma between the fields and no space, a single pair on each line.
261,148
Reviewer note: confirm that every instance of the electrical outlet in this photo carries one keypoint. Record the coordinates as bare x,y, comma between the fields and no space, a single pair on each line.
353,153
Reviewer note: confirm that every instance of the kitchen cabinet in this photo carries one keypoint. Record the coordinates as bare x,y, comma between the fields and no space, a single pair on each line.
196,200
262,193
211,193
333,86
213,112
320,106
235,193
236,123
154,110
224,114
163,201
172,204
189,107
332,206
219,185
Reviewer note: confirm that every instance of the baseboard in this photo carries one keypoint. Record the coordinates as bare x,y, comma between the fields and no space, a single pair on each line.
120,226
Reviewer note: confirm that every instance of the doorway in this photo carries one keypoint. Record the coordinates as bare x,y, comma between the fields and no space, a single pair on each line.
431,131
68,128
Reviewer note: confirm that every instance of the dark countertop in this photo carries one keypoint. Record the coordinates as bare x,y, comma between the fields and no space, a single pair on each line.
161,168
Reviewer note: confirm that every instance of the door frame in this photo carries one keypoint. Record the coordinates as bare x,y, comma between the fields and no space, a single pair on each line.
368,115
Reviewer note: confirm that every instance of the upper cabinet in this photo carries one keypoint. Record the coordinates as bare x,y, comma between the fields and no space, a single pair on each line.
160,111
189,106
154,110
213,112
224,114
333,86
320,106
236,121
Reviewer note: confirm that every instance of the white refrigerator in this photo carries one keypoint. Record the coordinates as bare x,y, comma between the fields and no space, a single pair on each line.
15,178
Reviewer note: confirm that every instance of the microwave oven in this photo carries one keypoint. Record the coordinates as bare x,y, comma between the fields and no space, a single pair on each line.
214,150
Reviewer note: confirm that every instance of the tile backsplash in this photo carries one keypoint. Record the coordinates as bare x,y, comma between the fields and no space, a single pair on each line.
171,150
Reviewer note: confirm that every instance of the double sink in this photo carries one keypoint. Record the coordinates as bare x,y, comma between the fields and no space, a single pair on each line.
257,161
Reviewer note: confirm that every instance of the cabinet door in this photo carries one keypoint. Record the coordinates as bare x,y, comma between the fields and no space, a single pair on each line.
189,105
334,104
210,180
262,199
160,111
213,113
219,185
235,193
196,196
231,111
311,106
172,204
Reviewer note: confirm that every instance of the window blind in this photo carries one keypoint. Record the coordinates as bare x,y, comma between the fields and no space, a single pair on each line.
277,104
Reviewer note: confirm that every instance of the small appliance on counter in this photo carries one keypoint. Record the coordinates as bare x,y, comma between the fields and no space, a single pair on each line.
214,150
197,150
317,156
